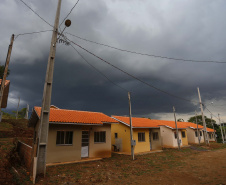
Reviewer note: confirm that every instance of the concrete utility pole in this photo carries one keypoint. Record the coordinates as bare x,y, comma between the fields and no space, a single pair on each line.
27,111
18,108
5,73
131,127
203,119
222,135
224,131
46,100
198,134
213,127
178,141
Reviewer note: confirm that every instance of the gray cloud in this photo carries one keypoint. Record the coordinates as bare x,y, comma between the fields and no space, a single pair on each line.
183,29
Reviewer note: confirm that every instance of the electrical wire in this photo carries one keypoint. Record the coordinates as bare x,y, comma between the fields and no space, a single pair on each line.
98,70
211,113
144,54
16,36
69,12
149,85
36,13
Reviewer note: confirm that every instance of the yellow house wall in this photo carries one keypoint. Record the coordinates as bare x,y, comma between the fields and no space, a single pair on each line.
124,134
184,140
143,146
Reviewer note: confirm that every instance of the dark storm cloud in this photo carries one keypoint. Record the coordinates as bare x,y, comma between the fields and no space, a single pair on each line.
188,29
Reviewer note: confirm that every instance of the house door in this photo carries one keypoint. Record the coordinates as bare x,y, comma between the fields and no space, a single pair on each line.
150,138
85,144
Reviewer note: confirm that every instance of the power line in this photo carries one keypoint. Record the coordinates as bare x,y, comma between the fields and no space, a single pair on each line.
144,54
69,12
98,70
36,13
31,33
211,113
152,86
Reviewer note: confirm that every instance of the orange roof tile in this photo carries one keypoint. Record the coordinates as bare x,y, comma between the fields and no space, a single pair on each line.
75,116
191,125
6,82
137,122
209,129
151,123
170,124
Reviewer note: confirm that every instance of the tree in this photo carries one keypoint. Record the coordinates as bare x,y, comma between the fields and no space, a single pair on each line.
180,120
2,69
199,120
21,113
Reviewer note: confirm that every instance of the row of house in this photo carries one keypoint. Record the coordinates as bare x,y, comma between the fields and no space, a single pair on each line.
74,135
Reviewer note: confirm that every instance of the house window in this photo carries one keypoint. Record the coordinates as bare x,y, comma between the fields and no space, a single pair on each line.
196,134
183,134
175,135
155,136
141,136
64,137
100,137
116,135
200,133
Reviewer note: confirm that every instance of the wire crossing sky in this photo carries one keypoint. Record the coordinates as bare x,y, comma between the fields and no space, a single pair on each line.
165,30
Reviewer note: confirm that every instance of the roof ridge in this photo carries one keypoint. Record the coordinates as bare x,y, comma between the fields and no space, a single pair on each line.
73,110
132,117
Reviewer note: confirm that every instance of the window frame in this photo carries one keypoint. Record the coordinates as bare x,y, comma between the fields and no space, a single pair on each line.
65,134
141,138
154,134
98,140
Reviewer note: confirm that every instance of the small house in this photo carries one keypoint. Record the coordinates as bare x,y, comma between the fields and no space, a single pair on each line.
169,133
145,132
74,135
210,134
193,133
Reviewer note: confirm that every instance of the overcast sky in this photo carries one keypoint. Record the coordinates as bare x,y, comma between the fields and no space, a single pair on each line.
187,29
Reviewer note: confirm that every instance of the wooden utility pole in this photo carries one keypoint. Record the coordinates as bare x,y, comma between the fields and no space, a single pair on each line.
198,134
213,127
222,135
203,119
5,73
27,111
131,128
18,108
178,140
46,100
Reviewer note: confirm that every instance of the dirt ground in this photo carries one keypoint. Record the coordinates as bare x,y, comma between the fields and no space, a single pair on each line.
195,165
187,166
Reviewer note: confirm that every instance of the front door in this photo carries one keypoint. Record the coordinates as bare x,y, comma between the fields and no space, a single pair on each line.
85,144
